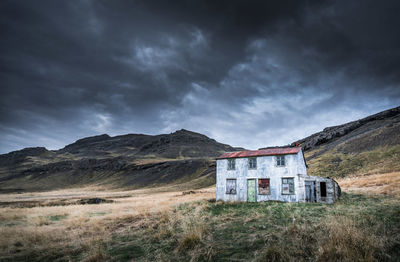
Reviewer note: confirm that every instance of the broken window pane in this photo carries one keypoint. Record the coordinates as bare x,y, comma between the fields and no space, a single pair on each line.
287,186
263,186
231,186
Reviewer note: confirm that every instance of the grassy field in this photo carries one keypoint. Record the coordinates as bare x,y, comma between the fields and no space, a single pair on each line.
148,225
338,164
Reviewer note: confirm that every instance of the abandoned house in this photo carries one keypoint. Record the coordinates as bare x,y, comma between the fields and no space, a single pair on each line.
278,173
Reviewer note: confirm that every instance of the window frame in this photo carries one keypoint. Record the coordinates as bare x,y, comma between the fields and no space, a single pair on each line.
226,186
269,186
229,167
248,163
290,184
278,161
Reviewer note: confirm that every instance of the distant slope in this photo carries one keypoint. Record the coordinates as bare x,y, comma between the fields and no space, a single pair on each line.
381,129
133,161
180,144
366,146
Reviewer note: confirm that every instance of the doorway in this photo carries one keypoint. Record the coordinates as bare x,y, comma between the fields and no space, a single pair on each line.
310,191
251,190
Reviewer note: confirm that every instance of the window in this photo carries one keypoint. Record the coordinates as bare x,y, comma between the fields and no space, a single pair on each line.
231,186
231,164
280,160
322,186
252,163
263,186
287,186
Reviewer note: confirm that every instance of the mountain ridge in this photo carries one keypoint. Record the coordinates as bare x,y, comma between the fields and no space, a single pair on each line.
386,122
140,160
131,160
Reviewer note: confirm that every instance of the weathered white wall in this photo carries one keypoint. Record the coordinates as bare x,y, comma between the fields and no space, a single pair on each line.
266,168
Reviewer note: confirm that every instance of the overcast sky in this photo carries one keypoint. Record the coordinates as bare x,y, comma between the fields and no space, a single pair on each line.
246,73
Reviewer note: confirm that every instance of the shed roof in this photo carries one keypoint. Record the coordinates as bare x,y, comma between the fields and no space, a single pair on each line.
261,152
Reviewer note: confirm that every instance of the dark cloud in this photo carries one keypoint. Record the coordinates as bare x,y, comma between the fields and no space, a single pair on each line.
248,73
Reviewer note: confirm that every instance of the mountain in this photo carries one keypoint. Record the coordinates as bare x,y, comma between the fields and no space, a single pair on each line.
185,159
366,146
133,160
180,144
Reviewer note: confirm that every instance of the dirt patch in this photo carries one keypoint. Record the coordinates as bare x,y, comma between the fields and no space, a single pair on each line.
61,202
188,192
93,201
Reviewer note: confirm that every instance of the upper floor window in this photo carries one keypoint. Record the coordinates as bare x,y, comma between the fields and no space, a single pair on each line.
231,164
252,163
288,186
280,161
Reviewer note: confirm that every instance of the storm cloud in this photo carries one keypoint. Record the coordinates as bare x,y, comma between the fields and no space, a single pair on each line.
247,73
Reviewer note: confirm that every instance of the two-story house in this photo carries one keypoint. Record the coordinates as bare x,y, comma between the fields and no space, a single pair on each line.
278,173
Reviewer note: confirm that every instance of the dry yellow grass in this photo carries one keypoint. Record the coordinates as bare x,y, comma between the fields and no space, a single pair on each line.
345,241
81,228
84,229
388,184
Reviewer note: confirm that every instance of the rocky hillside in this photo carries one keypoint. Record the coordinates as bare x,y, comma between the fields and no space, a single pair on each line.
366,146
133,160
381,129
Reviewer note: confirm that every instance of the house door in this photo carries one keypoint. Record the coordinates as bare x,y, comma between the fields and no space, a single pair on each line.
251,190
310,191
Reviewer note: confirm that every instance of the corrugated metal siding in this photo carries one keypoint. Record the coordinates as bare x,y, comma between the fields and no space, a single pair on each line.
266,168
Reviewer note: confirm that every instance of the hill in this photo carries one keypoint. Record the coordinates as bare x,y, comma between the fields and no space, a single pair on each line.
367,146
133,160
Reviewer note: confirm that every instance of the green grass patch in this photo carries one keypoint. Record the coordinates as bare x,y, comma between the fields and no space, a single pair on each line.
96,214
125,252
57,217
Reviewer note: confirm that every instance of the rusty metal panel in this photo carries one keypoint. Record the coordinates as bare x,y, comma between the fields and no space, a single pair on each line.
261,152
263,186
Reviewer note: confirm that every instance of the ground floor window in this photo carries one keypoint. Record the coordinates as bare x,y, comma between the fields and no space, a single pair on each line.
263,186
322,186
287,186
231,186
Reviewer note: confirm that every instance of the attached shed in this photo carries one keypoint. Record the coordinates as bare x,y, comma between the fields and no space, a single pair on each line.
278,173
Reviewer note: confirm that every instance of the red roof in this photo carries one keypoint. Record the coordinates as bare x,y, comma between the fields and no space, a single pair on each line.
262,152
